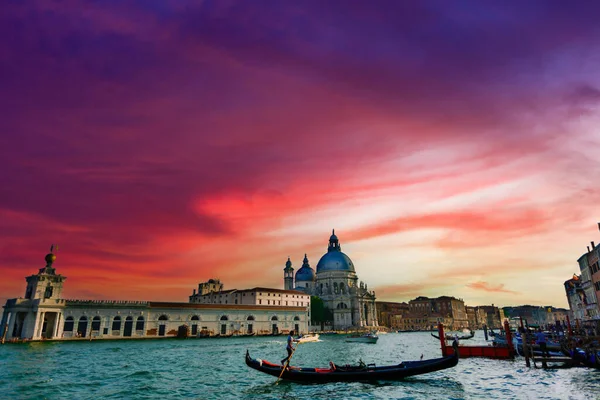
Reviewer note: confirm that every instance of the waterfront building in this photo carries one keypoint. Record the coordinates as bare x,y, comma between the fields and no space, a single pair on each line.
472,317
336,283
387,313
256,296
425,313
44,314
591,301
594,268
536,315
493,318
575,297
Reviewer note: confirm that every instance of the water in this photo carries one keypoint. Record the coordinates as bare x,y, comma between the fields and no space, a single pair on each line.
215,369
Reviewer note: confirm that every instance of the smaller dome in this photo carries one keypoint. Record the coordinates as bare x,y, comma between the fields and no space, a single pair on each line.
50,258
305,273
288,264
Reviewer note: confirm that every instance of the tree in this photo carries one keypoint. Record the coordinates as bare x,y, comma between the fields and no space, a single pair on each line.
318,312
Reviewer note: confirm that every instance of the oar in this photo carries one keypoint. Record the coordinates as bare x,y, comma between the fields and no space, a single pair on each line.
287,363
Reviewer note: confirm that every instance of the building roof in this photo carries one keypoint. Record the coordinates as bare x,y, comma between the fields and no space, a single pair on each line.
156,304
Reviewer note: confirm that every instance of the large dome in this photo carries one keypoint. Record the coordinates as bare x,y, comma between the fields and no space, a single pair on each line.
335,260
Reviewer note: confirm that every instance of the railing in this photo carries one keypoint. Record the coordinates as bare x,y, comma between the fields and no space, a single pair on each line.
108,302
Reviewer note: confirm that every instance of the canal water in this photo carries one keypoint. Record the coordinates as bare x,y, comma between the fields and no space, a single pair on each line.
215,369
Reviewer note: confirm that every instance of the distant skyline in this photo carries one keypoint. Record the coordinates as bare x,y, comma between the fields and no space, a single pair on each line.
453,146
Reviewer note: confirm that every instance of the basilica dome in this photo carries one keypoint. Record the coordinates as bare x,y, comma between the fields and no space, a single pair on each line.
305,273
334,259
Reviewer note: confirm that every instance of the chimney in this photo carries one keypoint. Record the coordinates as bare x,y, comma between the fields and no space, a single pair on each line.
588,249
593,246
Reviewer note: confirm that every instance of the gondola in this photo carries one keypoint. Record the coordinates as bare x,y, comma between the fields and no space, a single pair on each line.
590,358
451,337
353,373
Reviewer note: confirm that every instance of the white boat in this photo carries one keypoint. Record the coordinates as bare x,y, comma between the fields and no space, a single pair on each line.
308,338
366,338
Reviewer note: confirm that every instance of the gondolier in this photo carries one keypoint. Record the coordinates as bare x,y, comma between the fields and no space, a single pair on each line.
289,347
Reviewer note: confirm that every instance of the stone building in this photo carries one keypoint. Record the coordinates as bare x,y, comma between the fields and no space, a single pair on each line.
336,283
43,314
389,313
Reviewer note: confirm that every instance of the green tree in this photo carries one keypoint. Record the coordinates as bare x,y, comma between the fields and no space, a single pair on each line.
318,312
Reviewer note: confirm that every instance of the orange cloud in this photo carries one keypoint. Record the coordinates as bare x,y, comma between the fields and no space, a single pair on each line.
479,285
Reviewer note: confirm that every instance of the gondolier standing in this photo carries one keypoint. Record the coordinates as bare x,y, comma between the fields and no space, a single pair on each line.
289,347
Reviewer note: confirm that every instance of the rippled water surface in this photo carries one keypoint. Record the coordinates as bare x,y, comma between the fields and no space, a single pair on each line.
215,369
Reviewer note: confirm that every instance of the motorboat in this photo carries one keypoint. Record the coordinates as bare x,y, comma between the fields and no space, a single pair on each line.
365,338
308,338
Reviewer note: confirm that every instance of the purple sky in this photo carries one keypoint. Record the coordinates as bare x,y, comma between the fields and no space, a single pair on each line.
452,145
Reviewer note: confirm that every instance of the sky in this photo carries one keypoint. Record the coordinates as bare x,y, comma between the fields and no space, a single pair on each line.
453,146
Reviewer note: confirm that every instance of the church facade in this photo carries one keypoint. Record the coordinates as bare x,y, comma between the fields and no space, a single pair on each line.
336,283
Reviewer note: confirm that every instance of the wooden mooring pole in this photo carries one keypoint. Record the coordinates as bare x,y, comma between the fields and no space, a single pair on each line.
525,344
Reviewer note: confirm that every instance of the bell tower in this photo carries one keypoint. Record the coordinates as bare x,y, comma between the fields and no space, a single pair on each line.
288,276
46,284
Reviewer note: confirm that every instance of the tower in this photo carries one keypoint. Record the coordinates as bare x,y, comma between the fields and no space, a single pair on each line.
46,284
288,276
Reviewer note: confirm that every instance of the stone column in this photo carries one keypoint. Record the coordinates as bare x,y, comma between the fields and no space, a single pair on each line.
39,319
55,326
11,325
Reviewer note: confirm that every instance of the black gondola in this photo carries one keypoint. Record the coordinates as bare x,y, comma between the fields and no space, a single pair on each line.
451,337
590,358
348,373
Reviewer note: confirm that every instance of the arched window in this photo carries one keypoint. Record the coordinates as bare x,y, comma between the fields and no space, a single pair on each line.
139,324
274,318
163,318
335,288
342,288
116,325
96,323
82,326
224,318
296,318
250,318
195,318
69,324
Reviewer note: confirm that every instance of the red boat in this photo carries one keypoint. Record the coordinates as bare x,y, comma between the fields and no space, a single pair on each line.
497,352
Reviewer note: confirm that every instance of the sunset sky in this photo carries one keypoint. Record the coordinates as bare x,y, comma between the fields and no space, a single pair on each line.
453,146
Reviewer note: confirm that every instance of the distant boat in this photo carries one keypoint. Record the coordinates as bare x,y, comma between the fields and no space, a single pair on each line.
366,338
308,338
452,337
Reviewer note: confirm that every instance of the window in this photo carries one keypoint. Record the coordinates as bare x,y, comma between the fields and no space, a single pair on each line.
116,325
96,323
224,318
139,324
68,324
274,318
